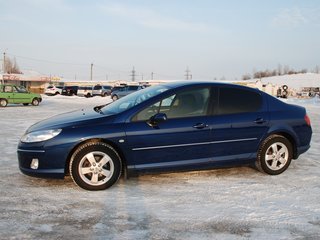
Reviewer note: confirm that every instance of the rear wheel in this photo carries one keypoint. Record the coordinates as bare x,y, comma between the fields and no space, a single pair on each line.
3,102
274,155
95,166
35,102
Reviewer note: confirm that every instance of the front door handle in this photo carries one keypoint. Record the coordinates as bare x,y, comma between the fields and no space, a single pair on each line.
200,126
259,121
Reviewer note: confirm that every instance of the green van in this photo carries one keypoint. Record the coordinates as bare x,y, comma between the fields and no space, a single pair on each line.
10,93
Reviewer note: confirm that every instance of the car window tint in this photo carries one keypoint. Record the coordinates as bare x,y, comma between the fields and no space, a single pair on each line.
188,103
234,100
132,88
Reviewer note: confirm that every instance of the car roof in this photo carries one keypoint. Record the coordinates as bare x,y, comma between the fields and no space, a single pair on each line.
176,84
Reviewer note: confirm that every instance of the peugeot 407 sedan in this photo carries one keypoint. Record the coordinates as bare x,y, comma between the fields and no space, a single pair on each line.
170,127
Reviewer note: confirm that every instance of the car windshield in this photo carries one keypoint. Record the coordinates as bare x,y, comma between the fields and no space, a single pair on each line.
133,99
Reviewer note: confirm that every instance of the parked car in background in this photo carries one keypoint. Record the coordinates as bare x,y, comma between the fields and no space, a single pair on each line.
53,90
124,91
85,91
102,90
17,94
117,88
169,127
70,90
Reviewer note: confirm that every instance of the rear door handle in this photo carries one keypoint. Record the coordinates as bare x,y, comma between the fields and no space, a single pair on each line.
200,125
259,121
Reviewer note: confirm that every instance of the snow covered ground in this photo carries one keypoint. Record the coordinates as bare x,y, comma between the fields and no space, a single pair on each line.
235,203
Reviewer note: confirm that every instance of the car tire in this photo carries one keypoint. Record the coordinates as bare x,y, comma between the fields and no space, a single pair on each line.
86,168
88,95
115,97
104,94
274,155
35,102
3,102
25,104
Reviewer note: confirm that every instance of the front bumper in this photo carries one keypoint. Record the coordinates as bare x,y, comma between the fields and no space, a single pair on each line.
52,162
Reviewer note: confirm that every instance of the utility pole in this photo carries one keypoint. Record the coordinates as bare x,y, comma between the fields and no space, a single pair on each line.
133,74
91,71
142,76
4,65
188,74
152,74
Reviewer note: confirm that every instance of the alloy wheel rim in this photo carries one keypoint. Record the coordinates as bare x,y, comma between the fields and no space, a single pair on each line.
96,168
277,156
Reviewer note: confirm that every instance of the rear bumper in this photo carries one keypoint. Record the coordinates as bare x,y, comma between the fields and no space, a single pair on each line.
301,150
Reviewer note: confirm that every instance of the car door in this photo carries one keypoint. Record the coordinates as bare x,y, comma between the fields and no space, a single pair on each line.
180,140
21,95
239,123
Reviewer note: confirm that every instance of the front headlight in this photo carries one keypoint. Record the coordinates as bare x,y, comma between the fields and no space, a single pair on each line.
39,136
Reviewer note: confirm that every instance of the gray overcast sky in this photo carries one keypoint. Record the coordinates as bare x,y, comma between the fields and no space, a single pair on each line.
214,38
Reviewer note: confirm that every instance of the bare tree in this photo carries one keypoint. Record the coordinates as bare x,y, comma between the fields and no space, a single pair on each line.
246,76
11,67
280,69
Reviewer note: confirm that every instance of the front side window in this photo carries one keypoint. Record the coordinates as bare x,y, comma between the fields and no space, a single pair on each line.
21,89
187,103
133,99
235,100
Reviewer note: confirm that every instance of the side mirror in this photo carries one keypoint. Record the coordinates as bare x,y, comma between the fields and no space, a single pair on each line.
156,119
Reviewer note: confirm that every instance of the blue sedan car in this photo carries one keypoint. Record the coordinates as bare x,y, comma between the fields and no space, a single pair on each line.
170,127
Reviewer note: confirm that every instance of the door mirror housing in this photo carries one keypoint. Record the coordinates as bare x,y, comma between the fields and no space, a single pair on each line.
156,119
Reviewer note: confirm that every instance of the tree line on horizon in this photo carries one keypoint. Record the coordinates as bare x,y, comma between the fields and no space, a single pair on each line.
279,71
11,67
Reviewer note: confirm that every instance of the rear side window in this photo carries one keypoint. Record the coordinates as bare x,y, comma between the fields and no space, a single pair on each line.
235,100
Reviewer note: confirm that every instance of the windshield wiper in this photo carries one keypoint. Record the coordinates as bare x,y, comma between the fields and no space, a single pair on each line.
98,108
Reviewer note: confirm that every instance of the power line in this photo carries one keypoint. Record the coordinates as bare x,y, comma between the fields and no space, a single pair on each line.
46,61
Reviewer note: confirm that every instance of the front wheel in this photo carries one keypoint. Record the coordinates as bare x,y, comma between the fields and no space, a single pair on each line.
3,102
115,97
95,166
35,102
274,155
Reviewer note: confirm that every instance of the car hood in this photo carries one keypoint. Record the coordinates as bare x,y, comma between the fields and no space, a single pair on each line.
70,119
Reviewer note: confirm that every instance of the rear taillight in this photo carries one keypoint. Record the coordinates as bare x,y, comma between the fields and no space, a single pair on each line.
307,119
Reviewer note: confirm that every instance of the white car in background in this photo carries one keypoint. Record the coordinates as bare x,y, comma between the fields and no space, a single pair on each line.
85,91
53,90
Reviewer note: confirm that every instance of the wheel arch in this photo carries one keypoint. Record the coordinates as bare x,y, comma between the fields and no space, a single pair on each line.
292,139
112,144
